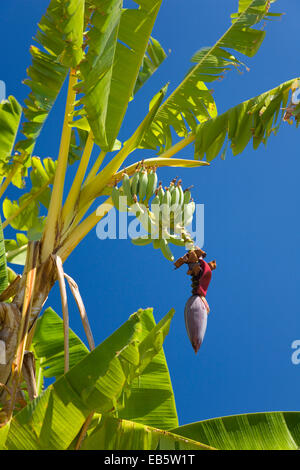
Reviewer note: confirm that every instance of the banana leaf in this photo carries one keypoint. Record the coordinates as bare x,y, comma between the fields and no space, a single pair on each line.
255,119
151,400
254,431
98,383
191,102
10,116
59,39
48,345
120,434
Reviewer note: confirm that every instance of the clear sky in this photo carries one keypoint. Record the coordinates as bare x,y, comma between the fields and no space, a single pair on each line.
251,228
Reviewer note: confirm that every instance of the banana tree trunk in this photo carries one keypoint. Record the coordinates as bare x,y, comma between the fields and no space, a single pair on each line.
11,316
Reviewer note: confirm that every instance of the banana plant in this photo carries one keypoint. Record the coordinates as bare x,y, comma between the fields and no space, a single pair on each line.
106,53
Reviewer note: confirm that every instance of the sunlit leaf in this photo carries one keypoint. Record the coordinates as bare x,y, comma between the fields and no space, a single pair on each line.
256,431
191,102
97,383
255,119
120,434
59,40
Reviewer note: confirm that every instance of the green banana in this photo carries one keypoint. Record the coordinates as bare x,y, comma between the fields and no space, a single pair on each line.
127,188
187,196
189,210
135,183
165,209
171,187
181,193
176,241
156,243
143,183
142,241
167,197
165,249
176,215
146,221
155,209
156,200
115,195
160,192
152,184
135,207
175,196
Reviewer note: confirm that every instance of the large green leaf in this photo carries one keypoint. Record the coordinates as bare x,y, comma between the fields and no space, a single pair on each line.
3,436
151,401
118,61
16,249
96,69
61,31
191,102
98,383
10,115
48,345
254,119
77,144
120,434
98,183
154,57
42,176
60,38
133,37
24,213
257,431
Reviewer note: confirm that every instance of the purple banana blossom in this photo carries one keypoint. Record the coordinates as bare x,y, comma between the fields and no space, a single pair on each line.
195,315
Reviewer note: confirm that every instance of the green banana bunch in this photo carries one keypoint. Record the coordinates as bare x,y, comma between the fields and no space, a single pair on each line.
166,217
142,184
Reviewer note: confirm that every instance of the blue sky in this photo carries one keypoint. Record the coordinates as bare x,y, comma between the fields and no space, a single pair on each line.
251,224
